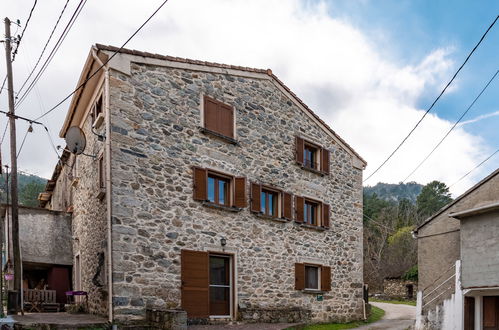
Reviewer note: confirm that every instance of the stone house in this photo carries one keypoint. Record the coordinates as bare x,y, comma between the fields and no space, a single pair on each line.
458,263
209,188
399,288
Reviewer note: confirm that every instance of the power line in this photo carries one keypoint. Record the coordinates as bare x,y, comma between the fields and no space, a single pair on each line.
44,47
455,124
483,161
30,129
435,101
107,61
53,52
24,30
3,84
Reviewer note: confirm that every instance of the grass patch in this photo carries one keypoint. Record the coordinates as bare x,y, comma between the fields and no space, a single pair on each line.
397,302
376,314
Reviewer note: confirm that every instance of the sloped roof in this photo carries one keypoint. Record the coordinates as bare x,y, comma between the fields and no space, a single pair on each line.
233,67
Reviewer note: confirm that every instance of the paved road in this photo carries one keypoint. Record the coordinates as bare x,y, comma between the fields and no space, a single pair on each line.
397,317
249,326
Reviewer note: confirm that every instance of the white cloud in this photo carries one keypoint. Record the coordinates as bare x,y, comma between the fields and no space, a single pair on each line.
329,63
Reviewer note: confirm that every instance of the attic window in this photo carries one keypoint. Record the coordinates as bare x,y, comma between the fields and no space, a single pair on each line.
97,113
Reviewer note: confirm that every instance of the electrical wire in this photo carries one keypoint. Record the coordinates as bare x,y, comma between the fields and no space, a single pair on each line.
44,47
452,128
22,143
483,161
3,84
53,52
4,132
107,61
435,101
24,30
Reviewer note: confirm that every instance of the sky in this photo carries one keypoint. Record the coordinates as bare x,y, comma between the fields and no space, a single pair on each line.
369,68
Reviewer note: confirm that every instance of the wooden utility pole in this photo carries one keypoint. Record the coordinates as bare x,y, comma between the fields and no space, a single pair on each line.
13,165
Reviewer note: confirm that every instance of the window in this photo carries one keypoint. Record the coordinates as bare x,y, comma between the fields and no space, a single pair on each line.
97,112
312,277
268,201
218,188
311,211
311,156
102,173
218,118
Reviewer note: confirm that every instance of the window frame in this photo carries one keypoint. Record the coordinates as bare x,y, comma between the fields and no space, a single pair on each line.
217,176
317,215
305,277
96,115
315,163
205,129
277,199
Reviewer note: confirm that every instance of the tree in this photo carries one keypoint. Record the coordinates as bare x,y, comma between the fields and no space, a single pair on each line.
432,198
28,195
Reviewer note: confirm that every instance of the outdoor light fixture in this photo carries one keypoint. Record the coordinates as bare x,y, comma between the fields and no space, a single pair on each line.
223,241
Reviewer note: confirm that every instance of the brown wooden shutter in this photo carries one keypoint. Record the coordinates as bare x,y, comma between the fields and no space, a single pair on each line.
240,192
287,206
299,276
195,283
210,114
299,150
299,206
325,278
256,191
226,120
200,184
325,215
325,161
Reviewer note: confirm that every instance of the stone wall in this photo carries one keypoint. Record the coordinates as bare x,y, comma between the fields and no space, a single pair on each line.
397,288
155,115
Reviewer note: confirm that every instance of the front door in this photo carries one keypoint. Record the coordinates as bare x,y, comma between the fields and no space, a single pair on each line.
491,313
220,285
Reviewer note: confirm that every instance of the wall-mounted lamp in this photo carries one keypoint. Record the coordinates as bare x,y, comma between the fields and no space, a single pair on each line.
223,241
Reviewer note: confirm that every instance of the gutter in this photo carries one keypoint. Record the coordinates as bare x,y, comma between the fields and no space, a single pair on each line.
474,211
107,150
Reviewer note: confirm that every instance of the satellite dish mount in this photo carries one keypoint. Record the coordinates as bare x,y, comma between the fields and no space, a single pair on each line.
76,141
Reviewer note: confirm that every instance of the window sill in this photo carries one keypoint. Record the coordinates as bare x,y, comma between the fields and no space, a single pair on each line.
218,135
313,170
221,207
319,228
268,217
313,291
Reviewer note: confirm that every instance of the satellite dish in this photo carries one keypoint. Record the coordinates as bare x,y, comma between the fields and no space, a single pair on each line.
75,140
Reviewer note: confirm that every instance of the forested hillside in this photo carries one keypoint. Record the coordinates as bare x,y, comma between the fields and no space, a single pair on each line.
29,187
391,213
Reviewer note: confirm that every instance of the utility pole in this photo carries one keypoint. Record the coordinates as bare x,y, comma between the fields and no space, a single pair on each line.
13,165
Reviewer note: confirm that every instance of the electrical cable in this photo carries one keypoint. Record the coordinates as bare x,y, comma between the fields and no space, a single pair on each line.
24,140
53,52
483,161
44,47
24,30
435,101
452,128
107,61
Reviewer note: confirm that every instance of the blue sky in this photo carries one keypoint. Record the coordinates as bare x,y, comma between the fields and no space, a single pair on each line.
368,68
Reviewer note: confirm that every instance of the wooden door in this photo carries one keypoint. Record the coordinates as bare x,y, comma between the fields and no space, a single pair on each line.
491,313
469,313
58,280
220,285
194,276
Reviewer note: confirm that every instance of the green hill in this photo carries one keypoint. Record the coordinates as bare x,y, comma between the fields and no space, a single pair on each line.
392,192
29,186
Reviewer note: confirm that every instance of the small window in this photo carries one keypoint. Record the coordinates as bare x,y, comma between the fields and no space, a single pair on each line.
218,190
102,173
97,113
310,213
218,117
310,157
269,200
312,277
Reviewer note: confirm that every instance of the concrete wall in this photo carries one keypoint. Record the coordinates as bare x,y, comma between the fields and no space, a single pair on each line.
439,241
45,236
480,250
156,112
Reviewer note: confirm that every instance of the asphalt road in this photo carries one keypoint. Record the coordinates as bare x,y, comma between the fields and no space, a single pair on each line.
397,317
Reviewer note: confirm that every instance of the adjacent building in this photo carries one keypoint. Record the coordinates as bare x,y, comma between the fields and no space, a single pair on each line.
458,261
208,188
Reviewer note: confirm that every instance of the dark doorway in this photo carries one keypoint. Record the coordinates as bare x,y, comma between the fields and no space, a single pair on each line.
220,285
469,313
491,313
410,291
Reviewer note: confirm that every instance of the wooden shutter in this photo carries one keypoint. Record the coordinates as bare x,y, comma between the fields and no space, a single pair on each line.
325,278
240,192
256,191
325,161
299,276
489,312
226,120
200,184
287,206
210,114
299,150
195,283
325,215
299,206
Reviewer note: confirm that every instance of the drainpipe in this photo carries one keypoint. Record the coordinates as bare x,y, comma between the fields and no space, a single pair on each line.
107,150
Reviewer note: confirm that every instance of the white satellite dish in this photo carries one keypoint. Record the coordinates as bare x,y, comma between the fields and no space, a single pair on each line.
75,140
